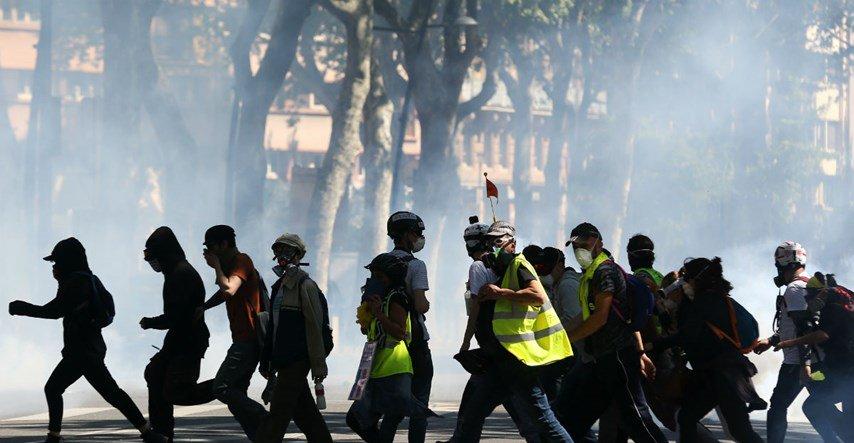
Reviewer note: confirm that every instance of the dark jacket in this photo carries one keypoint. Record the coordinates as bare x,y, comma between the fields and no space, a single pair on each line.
80,337
183,293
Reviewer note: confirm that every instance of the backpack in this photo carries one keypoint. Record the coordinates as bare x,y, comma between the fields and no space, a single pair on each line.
641,302
836,294
262,318
102,308
744,327
326,330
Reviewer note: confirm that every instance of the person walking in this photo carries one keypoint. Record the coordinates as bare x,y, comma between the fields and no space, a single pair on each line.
173,372
294,345
791,321
240,289
388,392
519,332
721,374
406,230
85,307
614,375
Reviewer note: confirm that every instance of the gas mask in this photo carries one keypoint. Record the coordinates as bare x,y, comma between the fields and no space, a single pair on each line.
419,244
780,279
584,257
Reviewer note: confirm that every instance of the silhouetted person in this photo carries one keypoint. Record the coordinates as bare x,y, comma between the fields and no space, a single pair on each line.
84,348
173,372
240,289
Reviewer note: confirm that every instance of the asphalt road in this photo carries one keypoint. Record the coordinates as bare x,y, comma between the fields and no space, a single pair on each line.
213,423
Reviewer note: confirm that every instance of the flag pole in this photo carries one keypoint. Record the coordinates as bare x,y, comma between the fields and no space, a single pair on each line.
491,205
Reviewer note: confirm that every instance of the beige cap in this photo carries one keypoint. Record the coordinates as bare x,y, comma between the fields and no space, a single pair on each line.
291,240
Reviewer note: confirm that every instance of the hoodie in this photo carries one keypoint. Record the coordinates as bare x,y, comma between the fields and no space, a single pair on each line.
81,338
183,293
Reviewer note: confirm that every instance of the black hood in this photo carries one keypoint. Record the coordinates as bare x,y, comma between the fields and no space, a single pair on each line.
69,256
163,246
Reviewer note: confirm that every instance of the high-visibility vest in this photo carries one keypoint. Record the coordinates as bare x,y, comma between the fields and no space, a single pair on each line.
392,355
652,273
533,334
588,305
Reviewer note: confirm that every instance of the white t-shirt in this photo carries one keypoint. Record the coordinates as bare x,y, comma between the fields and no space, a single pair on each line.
794,300
480,276
416,280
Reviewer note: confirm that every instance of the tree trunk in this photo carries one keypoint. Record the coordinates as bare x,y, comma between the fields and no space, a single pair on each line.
345,142
521,95
247,164
178,148
379,112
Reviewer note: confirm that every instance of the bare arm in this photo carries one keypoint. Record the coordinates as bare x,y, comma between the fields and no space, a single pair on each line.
813,338
420,302
215,300
394,324
470,325
596,320
533,294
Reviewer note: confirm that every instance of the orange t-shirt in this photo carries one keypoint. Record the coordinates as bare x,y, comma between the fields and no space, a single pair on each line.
244,305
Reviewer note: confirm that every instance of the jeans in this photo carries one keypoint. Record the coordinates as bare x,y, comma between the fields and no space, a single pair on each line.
509,379
611,379
384,397
68,371
707,389
479,384
422,380
824,396
552,375
292,400
232,381
171,380
821,415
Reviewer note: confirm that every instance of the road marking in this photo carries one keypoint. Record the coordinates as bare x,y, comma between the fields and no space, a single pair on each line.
73,412
185,411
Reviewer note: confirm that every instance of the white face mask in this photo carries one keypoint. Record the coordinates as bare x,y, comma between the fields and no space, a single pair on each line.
419,244
584,257
155,265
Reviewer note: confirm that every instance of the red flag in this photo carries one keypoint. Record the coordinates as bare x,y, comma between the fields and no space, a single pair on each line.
491,189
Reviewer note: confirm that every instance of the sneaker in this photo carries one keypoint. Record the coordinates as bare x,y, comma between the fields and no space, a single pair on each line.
153,437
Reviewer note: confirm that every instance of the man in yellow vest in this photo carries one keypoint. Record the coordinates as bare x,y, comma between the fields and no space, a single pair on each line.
617,350
520,333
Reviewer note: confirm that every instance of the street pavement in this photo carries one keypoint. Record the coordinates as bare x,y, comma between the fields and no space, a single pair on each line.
213,423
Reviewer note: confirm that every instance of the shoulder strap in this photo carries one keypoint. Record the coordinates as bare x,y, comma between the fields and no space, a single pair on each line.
262,290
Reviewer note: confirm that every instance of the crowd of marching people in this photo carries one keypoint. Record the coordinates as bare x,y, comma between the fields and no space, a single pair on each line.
560,348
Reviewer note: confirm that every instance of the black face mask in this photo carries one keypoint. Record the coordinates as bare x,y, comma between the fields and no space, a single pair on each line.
373,286
780,279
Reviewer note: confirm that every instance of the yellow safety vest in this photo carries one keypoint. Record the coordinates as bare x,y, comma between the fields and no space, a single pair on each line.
533,334
584,286
392,355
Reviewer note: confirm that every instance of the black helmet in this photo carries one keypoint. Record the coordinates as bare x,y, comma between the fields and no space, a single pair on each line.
391,265
402,222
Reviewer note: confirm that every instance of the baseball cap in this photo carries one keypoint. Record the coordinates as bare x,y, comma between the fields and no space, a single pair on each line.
218,233
583,230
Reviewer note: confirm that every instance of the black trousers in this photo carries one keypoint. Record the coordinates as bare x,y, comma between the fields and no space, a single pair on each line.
612,379
706,390
68,371
172,381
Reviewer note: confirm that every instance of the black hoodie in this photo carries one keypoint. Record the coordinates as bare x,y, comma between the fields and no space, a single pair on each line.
183,293
81,338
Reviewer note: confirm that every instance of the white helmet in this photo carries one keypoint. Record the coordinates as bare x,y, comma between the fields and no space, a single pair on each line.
790,253
474,233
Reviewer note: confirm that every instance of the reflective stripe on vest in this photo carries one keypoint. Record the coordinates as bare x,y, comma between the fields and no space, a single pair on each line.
584,286
653,274
392,355
532,334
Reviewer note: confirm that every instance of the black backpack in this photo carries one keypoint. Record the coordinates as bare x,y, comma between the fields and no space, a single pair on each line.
262,318
326,331
102,308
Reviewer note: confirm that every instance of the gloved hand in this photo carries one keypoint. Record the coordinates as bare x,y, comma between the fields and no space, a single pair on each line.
18,307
